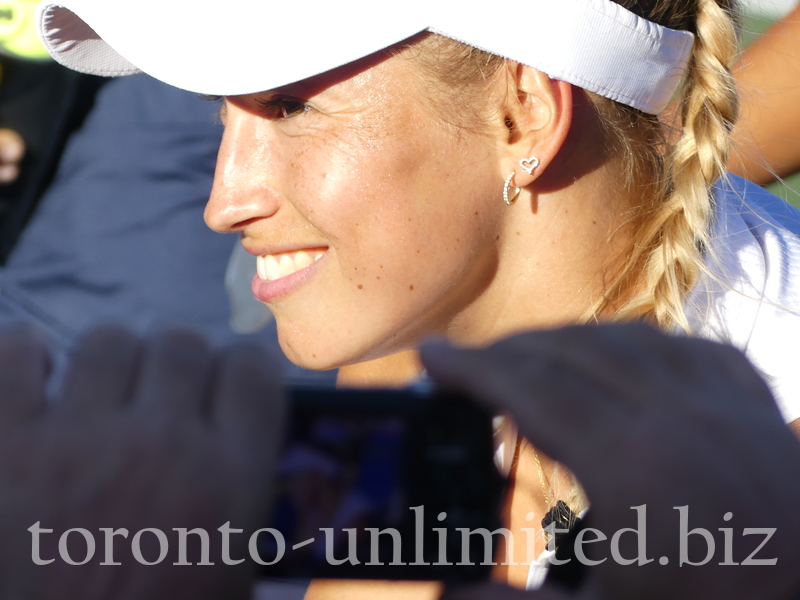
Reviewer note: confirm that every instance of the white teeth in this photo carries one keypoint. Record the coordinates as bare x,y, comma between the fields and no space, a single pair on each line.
302,259
274,266
285,266
261,268
271,270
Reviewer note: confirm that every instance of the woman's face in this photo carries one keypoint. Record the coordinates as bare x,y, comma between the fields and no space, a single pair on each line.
374,220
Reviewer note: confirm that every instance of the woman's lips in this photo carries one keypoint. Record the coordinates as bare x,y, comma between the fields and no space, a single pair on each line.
280,273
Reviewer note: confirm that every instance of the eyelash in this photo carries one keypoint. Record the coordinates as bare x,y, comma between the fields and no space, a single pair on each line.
283,107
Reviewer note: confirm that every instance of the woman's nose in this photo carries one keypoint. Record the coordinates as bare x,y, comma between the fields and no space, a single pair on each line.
243,189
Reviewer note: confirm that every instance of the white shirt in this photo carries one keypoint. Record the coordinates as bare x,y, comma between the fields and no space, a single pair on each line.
752,298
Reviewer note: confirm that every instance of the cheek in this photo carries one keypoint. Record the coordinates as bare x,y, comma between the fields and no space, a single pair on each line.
406,229
404,181
378,200
408,240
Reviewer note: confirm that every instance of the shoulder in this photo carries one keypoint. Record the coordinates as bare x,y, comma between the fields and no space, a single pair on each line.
750,295
754,242
755,206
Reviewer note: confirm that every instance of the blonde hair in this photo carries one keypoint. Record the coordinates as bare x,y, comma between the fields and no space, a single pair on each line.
674,161
667,255
675,165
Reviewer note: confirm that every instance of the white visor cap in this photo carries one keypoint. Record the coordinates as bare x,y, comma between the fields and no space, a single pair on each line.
248,46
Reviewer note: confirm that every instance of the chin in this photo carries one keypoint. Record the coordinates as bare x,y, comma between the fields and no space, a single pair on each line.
307,359
318,354
312,354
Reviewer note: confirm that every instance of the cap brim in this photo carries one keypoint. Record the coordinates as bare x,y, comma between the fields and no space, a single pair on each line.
221,49
249,46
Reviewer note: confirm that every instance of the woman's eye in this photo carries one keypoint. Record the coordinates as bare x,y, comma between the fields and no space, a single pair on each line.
291,108
283,108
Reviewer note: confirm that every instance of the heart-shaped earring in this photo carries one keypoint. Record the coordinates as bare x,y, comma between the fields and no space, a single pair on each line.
529,165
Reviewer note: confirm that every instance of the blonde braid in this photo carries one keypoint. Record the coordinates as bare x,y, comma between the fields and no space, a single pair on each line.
669,246
670,243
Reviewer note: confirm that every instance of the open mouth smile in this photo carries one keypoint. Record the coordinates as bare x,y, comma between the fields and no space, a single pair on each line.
275,266
280,273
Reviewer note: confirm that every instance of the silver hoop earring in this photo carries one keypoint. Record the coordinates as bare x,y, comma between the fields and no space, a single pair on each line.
529,165
506,198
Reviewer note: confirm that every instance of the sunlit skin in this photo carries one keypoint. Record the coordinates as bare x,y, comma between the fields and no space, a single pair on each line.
366,173
409,209
418,241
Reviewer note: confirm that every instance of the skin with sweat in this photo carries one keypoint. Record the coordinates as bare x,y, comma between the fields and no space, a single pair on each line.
379,220
406,210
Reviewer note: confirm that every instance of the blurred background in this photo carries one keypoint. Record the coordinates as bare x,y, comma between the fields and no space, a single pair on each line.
102,188
760,14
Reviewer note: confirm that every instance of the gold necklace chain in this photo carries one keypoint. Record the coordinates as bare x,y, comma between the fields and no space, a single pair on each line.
541,477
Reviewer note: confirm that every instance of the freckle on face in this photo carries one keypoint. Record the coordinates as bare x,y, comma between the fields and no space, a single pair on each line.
400,195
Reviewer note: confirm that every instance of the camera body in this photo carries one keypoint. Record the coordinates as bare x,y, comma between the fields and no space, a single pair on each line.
384,484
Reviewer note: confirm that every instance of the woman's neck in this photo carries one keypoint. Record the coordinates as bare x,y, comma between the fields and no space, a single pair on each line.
396,370
555,260
554,263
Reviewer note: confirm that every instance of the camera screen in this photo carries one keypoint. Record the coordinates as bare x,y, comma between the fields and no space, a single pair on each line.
336,473
380,484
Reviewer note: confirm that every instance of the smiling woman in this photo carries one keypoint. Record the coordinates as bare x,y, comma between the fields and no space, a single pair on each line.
359,180
395,183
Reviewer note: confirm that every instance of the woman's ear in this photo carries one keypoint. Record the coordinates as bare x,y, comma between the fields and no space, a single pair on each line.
538,116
